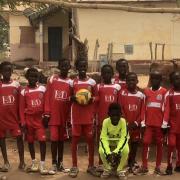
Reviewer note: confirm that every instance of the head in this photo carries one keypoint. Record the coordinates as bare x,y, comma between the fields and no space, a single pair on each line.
114,113
6,69
155,79
131,81
107,73
176,80
122,67
64,66
32,75
81,66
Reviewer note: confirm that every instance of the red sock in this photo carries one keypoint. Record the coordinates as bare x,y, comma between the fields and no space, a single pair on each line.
170,154
178,150
159,152
145,155
90,142
75,140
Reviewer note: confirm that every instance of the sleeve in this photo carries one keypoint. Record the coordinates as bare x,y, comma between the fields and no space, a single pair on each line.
141,115
104,142
143,112
124,137
95,93
120,102
22,107
166,108
47,110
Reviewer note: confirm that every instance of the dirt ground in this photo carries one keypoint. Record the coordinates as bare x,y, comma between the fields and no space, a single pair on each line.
15,174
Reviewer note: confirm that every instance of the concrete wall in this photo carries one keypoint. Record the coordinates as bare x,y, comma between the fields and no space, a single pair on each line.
22,51
138,29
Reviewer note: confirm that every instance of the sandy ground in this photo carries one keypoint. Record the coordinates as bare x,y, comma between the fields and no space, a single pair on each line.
15,174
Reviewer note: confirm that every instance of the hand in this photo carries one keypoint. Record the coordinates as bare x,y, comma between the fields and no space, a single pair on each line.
73,99
45,121
91,100
24,129
132,126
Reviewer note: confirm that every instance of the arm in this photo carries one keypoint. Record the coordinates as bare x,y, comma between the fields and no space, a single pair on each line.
166,110
22,107
47,99
124,137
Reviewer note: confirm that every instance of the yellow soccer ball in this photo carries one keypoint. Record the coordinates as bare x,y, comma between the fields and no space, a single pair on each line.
83,96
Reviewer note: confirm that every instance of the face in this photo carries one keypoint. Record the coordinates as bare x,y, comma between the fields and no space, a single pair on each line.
107,74
7,71
176,80
131,81
155,79
122,67
82,68
115,116
64,67
33,78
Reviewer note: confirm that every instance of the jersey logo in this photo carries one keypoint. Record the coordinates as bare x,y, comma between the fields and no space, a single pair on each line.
177,106
109,98
61,95
8,100
159,97
35,102
132,107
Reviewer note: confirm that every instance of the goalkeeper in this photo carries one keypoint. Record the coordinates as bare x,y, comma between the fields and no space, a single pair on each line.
114,148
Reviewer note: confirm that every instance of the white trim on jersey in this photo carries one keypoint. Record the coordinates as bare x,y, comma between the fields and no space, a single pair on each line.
12,84
137,94
40,88
154,104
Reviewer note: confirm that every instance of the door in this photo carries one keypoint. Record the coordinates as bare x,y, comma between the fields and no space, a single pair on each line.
55,43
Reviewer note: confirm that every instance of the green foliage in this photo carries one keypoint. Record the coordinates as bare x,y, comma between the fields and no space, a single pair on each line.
13,3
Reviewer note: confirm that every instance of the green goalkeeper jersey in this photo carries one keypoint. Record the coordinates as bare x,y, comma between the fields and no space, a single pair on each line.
116,136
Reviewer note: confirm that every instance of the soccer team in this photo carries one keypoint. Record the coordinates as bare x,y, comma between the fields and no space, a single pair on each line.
123,113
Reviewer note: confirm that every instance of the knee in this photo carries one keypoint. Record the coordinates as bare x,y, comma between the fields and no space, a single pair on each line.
125,151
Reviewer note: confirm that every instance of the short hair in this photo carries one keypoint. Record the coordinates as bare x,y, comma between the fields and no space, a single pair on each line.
107,66
171,75
156,71
131,73
121,60
80,60
114,106
5,63
62,60
30,70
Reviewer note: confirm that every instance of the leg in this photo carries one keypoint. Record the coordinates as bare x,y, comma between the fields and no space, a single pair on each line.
54,147
4,150
42,150
20,146
32,150
159,147
133,153
60,152
75,140
178,150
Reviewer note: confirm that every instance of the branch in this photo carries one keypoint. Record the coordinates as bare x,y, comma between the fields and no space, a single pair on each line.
108,6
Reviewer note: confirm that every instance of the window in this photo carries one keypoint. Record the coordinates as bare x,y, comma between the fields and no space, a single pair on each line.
128,49
27,35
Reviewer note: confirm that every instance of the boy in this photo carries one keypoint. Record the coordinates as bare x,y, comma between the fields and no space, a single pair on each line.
114,147
172,116
57,107
132,102
107,94
9,107
82,117
153,122
122,69
31,111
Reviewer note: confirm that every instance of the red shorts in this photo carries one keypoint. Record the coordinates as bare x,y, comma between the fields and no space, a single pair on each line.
35,134
85,129
151,132
13,131
134,135
58,133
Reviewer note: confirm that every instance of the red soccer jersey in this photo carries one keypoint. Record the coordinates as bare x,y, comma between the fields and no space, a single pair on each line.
107,94
83,114
32,103
9,104
132,105
116,80
154,110
57,102
172,110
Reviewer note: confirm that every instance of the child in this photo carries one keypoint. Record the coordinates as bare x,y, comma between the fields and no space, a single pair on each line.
122,69
153,123
114,147
9,121
172,116
107,94
132,103
31,111
57,106
82,117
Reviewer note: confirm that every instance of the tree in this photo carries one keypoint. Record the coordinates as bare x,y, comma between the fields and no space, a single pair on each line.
4,28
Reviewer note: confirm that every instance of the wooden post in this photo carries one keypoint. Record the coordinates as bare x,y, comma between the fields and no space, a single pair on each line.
156,51
151,51
163,47
41,42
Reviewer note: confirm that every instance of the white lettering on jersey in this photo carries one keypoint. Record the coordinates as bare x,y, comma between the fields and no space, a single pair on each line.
8,100
35,102
154,104
132,107
61,95
109,98
177,106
